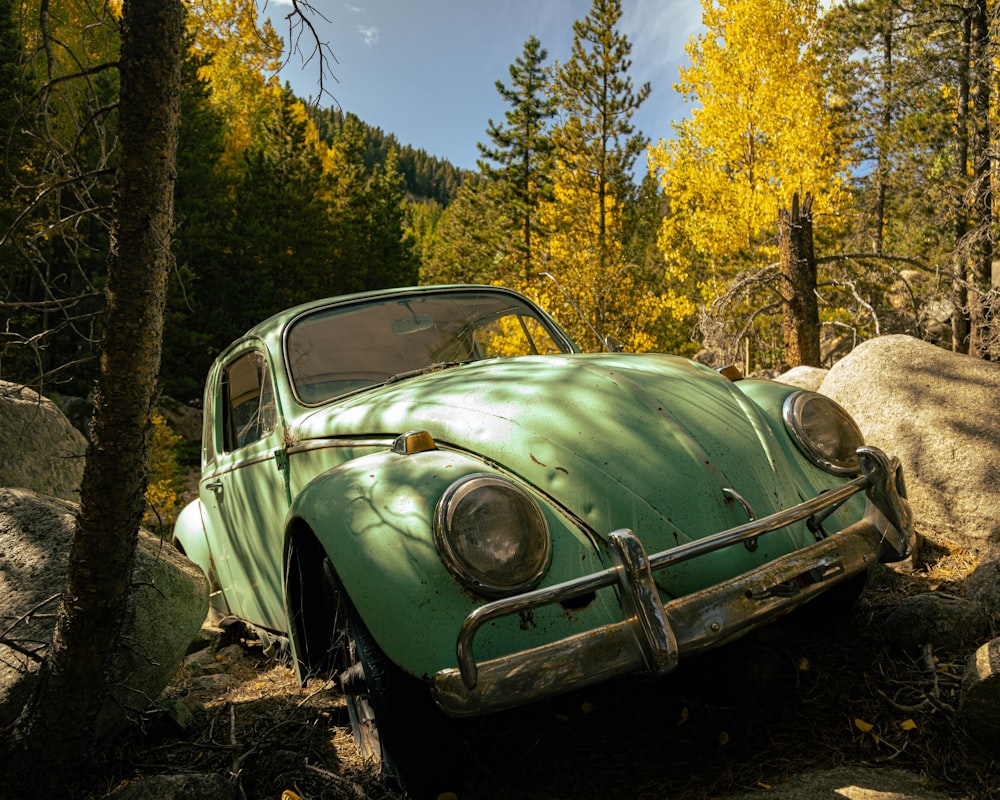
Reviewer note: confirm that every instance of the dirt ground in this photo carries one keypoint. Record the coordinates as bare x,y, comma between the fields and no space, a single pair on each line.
806,693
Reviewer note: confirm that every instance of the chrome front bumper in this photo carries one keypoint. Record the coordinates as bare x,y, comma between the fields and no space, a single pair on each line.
652,636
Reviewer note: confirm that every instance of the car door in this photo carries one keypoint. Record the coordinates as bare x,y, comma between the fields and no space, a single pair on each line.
244,492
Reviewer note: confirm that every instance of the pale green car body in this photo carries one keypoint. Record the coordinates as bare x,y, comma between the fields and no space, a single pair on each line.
660,447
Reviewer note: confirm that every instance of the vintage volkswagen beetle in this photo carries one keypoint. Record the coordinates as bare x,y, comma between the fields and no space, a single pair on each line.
433,492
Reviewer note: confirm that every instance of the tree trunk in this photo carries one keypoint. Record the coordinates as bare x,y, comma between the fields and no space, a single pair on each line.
56,733
800,309
982,334
959,277
885,131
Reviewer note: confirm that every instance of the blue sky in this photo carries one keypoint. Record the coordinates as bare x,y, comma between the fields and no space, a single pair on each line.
425,69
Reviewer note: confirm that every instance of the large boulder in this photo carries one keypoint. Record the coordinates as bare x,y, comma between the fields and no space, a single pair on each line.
940,620
980,702
810,378
185,420
936,410
166,607
39,449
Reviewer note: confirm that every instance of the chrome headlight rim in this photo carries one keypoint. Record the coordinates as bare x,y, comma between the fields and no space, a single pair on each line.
478,580
792,413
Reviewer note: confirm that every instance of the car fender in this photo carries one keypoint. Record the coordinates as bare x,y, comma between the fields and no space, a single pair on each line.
190,535
769,397
373,517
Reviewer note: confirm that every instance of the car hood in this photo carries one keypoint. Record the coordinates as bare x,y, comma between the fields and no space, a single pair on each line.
646,442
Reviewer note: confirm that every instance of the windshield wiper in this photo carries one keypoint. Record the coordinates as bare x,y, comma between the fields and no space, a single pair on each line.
412,373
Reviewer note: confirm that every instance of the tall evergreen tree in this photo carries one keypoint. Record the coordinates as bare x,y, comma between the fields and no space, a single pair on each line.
586,272
203,210
886,65
390,259
984,298
521,157
348,203
915,84
597,142
468,243
279,238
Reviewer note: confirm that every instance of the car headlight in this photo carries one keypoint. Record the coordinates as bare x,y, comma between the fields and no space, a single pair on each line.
492,535
823,431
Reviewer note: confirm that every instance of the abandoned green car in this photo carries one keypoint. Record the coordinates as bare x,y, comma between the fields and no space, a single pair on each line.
434,494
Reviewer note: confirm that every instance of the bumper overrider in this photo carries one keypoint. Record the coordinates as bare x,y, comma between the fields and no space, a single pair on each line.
653,636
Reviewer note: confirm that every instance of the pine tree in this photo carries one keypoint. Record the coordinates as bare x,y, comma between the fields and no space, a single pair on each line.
390,259
203,203
597,142
586,272
893,71
348,182
915,83
520,159
279,238
468,244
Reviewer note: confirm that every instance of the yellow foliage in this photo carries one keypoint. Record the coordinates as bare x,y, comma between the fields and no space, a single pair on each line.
81,36
590,283
242,56
761,133
164,473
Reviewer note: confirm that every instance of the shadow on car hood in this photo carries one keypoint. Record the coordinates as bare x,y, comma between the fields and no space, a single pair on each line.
647,442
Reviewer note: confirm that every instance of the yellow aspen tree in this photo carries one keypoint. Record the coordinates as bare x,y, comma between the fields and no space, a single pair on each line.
760,131
239,58
587,282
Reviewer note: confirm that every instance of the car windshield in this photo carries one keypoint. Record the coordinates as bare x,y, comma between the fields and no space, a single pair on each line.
341,349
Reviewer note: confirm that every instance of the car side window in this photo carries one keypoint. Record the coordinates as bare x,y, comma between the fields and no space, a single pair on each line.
248,407
514,335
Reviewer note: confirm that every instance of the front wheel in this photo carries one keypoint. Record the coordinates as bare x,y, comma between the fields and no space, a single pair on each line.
395,723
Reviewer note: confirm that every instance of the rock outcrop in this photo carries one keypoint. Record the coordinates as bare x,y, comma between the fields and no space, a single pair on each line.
936,411
167,605
39,449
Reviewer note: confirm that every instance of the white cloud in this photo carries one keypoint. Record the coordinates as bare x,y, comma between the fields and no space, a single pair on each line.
369,34
355,9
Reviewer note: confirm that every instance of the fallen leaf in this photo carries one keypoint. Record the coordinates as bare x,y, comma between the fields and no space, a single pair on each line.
803,664
861,725
684,716
908,725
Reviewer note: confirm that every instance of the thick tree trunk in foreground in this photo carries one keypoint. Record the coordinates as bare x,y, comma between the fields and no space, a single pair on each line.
799,306
959,271
55,736
984,339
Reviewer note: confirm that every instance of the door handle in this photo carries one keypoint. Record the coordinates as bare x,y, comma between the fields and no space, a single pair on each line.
215,487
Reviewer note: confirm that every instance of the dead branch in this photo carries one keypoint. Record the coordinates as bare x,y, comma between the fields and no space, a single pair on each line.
875,257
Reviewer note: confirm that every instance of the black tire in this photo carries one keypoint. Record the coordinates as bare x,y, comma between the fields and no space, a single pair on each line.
395,723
